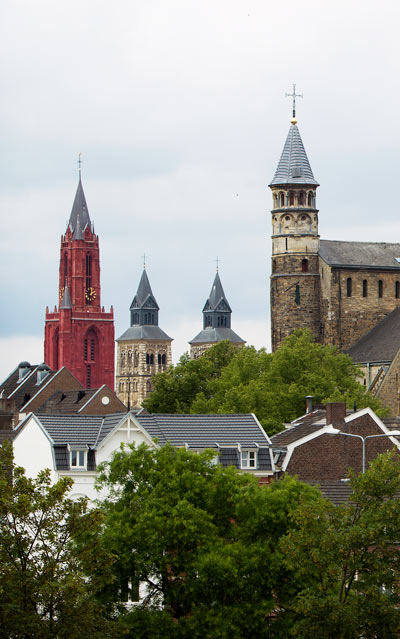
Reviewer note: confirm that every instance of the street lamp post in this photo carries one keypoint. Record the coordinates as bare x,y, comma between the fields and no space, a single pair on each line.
336,431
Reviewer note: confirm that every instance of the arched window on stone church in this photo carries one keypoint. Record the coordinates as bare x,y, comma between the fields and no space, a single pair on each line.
365,288
291,198
310,199
397,290
349,284
380,288
301,198
282,198
304,265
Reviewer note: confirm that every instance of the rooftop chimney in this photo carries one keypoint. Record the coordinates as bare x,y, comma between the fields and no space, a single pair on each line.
335,412
309,399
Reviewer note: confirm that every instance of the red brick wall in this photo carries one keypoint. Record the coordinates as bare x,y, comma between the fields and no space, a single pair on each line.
330,456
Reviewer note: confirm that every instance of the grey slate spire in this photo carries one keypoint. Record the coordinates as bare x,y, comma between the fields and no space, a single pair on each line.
144,315
216,311
144,308
293,166
216,318
79,217
66,299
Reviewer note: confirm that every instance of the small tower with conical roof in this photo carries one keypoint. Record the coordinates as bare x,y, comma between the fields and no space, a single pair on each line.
79,334
295,279
216,322
143,350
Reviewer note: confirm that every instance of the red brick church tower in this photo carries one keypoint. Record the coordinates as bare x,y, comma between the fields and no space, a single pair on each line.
80,334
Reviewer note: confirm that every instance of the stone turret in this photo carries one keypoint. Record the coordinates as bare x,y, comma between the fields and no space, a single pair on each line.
143,350
295,280
216,322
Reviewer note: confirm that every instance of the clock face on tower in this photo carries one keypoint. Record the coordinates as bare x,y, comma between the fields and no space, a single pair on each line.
90,294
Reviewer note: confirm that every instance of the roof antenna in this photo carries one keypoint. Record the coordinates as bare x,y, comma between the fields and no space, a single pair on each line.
294,95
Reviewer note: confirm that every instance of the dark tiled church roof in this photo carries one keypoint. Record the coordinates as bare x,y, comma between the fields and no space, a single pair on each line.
360,254
381,343
209,335
293,166
144,332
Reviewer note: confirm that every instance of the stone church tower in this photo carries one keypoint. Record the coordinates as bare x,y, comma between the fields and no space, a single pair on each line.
295,280
143,350
216,322
79,334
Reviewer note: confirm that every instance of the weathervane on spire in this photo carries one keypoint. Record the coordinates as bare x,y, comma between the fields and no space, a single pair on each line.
294,95
79,163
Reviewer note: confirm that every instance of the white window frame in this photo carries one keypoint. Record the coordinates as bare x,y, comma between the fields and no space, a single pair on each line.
248,459
81,455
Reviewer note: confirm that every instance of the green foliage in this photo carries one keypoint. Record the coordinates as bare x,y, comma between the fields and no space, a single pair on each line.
273,386
46,590
202,538
346,560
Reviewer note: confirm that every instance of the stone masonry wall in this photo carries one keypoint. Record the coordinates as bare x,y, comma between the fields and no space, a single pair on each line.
346,318
295,296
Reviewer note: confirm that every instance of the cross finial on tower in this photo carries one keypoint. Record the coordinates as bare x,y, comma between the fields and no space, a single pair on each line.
217,261
144,259
79,163
294,95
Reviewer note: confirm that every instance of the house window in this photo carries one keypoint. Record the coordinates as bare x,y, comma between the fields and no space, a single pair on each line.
297,295
365,288
78,458
380,288
348,286
397,290
248,459
304,265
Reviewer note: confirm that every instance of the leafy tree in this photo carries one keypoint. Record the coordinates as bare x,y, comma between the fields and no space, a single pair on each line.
273,386
202,539
346,560
46,588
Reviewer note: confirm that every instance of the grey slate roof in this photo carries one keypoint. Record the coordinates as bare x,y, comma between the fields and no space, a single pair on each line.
360,254
79,217
205,431
293,166
144,294
67,402
211,335
144,332
217,296
302,427
381,343
337,491
22,391
79,430
66,299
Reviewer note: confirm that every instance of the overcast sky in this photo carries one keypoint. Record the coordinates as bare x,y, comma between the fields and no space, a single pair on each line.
178,108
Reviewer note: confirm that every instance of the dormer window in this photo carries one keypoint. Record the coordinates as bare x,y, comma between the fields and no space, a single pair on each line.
78,458
248,459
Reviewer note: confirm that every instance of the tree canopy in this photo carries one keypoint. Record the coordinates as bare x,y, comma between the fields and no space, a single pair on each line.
346,560
227,379
201,539
47,589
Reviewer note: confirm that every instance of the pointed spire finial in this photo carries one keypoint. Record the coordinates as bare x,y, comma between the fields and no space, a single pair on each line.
294,95
79,164
217,261
144,260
